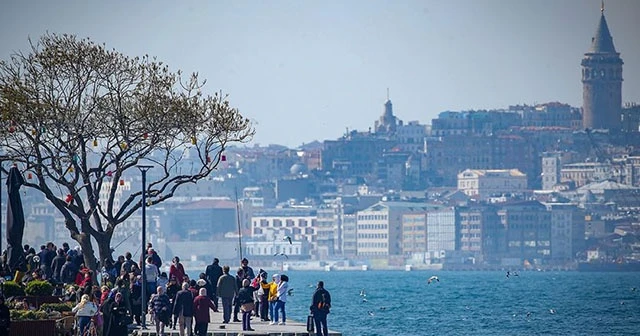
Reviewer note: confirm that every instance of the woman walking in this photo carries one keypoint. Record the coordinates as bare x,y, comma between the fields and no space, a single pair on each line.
201,305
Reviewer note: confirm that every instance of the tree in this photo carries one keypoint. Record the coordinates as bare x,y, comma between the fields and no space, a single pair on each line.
77,118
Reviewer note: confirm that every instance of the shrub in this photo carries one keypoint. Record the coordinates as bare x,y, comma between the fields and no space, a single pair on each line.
12,288
21,315
39,288
59,307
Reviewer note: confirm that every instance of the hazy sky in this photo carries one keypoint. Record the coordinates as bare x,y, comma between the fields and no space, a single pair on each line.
307,70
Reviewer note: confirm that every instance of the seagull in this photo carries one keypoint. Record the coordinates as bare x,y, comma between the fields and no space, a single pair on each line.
515,274
281,254
288,239
528,314
370,313
432,279
552,311
365,300
508,273
633,289
362,293
290,292
383,308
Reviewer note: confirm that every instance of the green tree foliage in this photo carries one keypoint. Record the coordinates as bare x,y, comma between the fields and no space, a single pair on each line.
77,118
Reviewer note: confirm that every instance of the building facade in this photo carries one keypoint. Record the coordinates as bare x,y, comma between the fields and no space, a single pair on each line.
482,184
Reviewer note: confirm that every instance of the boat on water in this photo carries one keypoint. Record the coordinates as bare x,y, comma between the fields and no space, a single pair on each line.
608,266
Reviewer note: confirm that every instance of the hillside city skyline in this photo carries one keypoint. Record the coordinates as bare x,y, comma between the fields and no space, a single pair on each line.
335,76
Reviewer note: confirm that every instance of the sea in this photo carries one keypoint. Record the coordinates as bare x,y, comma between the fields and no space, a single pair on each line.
372,303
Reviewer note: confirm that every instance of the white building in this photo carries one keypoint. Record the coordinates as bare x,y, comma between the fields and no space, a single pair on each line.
276,224
482,184
379,227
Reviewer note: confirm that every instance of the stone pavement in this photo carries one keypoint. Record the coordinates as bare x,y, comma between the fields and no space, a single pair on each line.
216,328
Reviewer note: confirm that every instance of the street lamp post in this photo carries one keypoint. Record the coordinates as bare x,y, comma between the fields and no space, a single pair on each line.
143,170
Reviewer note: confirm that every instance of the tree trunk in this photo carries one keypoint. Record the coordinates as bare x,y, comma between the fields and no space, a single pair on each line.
104,245
84,239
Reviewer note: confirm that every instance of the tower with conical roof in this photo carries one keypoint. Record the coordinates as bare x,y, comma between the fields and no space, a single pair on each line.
387,123
602,81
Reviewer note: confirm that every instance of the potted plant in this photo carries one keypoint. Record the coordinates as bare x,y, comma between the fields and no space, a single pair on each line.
39,288
12,288
39,292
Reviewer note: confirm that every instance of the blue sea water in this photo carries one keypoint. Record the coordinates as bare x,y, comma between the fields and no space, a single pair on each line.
473,303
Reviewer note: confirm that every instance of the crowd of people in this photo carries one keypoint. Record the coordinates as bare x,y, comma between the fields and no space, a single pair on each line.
174,301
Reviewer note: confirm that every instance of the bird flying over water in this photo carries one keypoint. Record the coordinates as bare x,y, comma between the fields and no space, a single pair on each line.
290,292
508,274
552,311
281,254
362,293
370,313
432,279
287,238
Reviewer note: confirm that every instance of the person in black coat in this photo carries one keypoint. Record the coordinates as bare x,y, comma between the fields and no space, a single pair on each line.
213,273
320,305
115,316
245,301
5,318
56,264
183,308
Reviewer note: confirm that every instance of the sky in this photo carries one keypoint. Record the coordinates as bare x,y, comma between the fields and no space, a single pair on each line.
305,70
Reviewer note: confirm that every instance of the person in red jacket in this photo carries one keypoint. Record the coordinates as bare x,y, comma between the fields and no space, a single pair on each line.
176,270
201,305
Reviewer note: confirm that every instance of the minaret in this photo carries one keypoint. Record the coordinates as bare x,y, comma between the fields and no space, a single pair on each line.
602,81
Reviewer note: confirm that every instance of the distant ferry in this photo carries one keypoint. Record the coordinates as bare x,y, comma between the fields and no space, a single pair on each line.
609,267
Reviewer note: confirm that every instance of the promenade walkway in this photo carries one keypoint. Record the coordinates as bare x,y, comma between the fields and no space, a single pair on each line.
216,328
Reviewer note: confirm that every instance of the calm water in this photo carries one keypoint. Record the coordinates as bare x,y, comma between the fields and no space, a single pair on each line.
474,303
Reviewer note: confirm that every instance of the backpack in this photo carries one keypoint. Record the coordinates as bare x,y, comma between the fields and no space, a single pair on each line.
323,305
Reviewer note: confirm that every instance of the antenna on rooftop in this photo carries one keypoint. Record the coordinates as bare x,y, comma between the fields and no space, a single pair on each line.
387,93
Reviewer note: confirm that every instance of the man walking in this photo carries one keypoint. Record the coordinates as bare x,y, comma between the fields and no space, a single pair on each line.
320,305
213,273
183,308
227,290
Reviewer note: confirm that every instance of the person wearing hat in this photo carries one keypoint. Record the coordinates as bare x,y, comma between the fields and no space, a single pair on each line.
246,270
245,301
114,311
201,306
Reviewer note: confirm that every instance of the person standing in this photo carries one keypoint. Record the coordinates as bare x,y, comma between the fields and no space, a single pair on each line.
5,318
245,300
115,316
283,288
264,297
152,274
176,270
227,290
273,297
213,273
183,308
236,306
201,306
84,310
246,270
56,264
320,305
